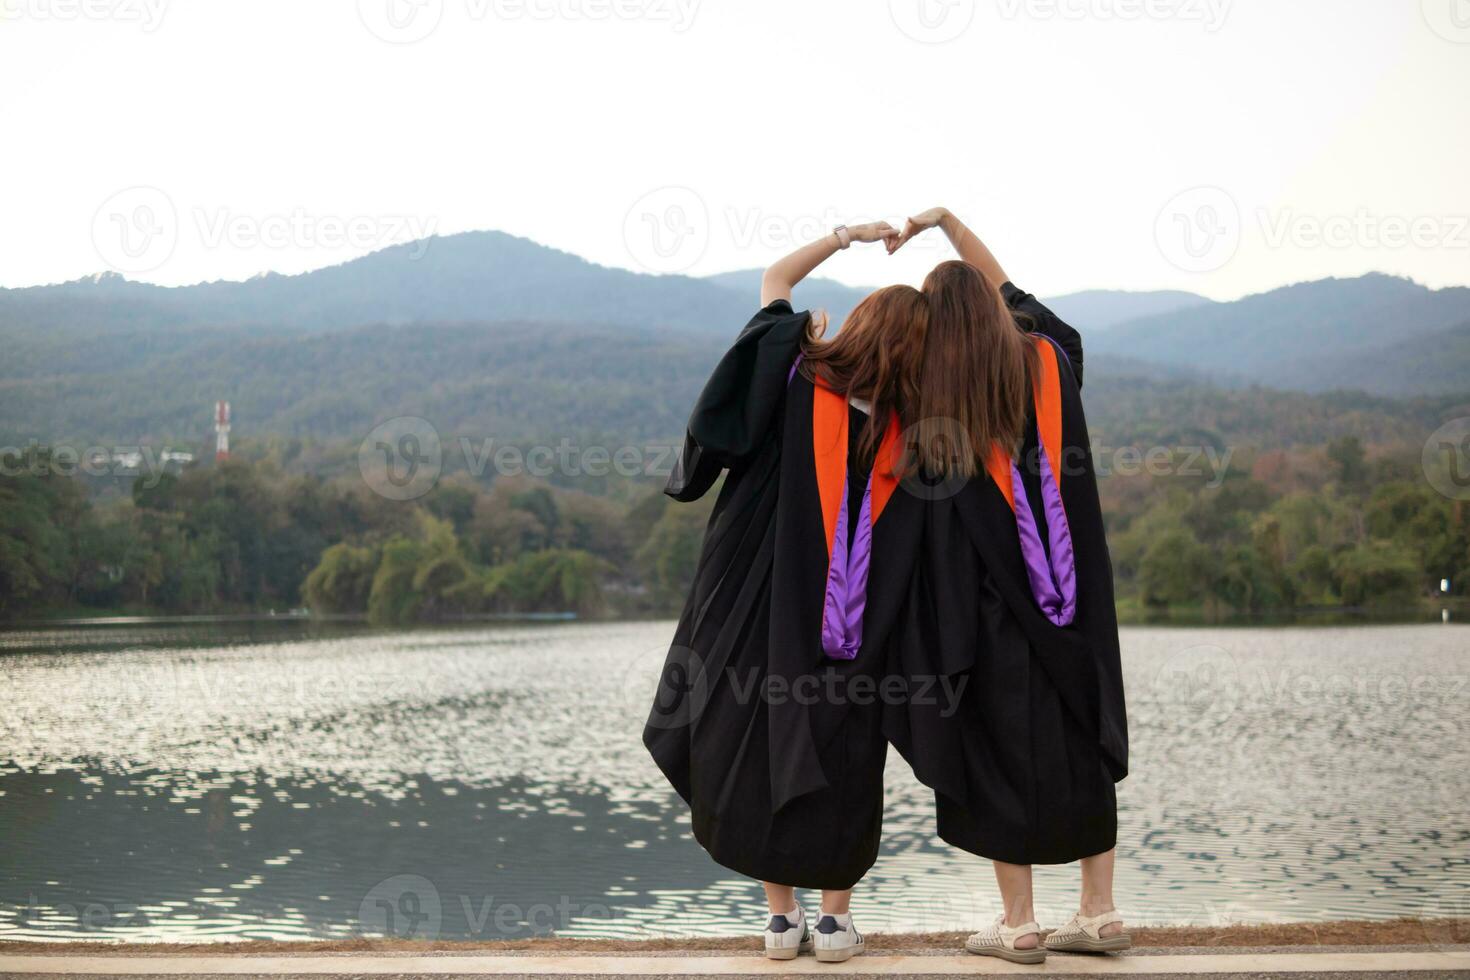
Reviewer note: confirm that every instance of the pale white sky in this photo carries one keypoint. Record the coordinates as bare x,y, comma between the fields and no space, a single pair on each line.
1224,147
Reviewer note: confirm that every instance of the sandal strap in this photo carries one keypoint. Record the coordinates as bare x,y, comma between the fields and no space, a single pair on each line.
1000,934
1009,934
1093,925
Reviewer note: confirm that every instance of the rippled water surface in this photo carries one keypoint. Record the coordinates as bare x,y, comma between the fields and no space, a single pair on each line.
294,781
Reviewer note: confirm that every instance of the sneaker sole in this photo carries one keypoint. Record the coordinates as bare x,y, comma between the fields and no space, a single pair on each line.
837,955
787,953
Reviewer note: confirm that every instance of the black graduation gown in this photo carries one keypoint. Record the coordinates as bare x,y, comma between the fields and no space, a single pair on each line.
1023,767
783,777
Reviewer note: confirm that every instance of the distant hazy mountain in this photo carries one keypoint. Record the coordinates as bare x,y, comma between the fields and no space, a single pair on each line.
480,276
1434,362
1100,308
472,276
1336,333
1092,309
516,340
810,294
108,323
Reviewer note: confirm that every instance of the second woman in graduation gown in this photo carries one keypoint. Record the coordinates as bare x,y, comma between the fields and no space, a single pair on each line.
1012,593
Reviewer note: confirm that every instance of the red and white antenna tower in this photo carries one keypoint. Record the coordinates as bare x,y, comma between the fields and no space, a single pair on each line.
221,430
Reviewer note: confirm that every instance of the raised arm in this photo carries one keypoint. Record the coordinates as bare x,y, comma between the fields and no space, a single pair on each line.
786,272
965,242
1037,317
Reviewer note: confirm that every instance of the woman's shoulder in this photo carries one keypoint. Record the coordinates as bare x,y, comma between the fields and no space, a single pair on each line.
777,316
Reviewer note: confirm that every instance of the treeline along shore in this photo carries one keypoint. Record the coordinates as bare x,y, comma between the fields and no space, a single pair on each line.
1250,533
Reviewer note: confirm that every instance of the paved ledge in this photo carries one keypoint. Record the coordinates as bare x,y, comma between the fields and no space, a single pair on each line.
1408,961
1361,936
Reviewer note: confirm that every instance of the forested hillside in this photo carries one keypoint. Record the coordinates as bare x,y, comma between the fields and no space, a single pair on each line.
1364,333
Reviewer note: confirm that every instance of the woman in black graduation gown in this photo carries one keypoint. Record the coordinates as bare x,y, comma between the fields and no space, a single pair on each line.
1012,593
768,719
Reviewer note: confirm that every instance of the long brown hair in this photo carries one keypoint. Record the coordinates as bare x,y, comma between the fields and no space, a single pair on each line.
975,380
875,357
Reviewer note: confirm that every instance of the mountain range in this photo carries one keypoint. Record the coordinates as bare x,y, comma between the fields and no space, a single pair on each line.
522,341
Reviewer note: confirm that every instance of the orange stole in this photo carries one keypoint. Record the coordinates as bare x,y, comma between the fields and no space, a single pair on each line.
1047,397
829,448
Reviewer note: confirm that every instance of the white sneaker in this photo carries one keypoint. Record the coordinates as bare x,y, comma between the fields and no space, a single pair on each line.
999,939
785,937
834,943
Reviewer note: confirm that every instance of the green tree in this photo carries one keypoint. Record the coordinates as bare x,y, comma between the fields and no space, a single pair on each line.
343,579
1349,462
40,510
1379,573
411,581
552,581
669,557
1175,570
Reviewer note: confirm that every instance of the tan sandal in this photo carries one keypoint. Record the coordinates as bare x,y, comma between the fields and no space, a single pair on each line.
999,939
1084,935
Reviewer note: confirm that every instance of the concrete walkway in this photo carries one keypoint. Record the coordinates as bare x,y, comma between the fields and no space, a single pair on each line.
1419,961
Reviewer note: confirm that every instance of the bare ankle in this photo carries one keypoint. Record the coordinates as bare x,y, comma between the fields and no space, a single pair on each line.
1093,907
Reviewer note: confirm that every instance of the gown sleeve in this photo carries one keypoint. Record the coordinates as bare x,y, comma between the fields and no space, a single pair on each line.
733,416
1046,323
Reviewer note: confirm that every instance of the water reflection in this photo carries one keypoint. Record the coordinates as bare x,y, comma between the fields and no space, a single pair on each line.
143,855
289,780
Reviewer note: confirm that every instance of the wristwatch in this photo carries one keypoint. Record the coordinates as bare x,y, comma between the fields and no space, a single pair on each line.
844,239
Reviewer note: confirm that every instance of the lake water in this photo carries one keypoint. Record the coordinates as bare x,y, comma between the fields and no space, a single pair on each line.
289,780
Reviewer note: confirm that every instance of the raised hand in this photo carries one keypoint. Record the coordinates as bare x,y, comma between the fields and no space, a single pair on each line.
920,222
874,231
